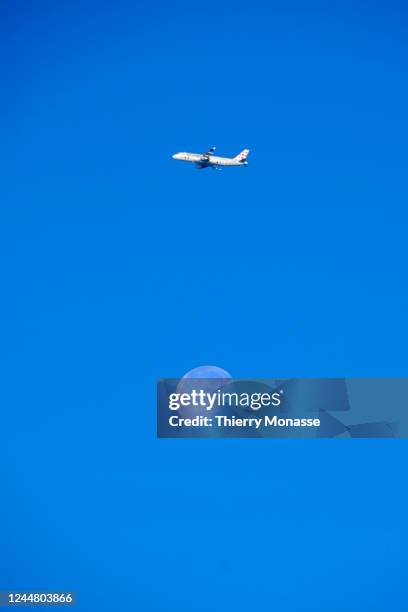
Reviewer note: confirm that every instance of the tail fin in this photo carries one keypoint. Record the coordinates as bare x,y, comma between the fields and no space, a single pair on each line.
241,157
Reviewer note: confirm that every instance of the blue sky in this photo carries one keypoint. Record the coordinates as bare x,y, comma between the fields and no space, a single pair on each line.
120,265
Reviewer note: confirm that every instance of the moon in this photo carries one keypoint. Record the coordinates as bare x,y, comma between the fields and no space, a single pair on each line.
210,378
207,371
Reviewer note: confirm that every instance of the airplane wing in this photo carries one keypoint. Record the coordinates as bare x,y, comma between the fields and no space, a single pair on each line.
209,152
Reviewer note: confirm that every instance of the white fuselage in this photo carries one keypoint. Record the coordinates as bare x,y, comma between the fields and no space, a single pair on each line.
209,160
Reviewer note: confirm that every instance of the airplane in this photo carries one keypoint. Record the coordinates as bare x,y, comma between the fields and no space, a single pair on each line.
208,160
